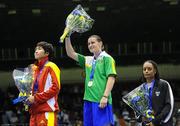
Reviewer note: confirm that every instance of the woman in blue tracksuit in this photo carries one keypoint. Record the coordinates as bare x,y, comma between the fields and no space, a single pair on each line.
161,96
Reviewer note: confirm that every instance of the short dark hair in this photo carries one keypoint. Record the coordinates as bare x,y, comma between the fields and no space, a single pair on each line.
48,48
155,67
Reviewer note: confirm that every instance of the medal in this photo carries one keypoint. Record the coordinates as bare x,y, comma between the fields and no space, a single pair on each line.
90,83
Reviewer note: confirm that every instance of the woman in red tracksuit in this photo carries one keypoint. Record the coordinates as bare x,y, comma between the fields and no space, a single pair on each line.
45,88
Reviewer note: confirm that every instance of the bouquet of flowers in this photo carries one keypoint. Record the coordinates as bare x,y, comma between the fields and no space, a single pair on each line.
23,78
78,20
138,100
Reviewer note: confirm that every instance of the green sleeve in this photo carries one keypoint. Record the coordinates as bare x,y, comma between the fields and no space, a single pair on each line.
110,66
81,60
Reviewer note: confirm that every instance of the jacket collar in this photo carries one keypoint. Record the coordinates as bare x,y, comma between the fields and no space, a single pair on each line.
42,62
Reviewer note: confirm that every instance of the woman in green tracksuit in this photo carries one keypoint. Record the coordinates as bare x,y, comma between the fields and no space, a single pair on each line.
100,78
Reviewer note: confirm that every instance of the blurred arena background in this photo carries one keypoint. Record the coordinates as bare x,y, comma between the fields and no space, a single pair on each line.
133,31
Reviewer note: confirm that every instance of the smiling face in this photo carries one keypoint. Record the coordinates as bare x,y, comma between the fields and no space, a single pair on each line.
40,53
149,71
94,45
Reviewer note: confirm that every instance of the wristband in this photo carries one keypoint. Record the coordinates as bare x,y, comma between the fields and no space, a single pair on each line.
105,96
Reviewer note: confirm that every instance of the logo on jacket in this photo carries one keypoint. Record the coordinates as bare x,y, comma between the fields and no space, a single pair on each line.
42,122
157,93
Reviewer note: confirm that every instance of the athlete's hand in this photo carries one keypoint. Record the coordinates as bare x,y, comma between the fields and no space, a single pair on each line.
29,100
150,124
103,102
147,122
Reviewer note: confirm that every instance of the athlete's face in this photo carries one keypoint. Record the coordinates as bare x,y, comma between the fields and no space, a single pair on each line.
93,45
40,53
149,71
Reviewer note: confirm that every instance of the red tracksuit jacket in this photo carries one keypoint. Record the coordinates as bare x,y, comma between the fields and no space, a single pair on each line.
47,76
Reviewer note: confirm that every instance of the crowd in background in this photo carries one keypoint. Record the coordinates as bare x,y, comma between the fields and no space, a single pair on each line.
70,101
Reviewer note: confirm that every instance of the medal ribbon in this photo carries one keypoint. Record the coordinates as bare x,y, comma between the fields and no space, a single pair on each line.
150,91
36,82
92,70
93,66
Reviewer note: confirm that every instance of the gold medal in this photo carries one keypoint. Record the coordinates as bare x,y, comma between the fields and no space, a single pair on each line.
90,83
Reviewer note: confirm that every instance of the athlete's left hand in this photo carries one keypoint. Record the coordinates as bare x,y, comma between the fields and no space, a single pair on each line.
150,124
30,100
103,102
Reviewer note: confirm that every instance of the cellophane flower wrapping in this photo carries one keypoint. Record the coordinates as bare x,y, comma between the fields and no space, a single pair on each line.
78,20
23,78
138,100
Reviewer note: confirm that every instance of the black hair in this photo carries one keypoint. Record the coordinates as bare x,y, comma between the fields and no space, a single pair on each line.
48,48
155,67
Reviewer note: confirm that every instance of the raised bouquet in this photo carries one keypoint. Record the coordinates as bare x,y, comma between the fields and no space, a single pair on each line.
23,78
138,99
78,20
